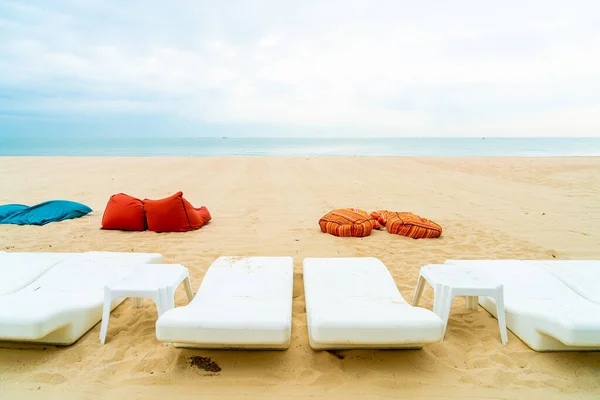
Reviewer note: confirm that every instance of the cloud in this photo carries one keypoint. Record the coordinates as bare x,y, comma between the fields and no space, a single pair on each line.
526,68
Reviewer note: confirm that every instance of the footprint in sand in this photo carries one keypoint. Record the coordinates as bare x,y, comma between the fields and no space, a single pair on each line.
45,377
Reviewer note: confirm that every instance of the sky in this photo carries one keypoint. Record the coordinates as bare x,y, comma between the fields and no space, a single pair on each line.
300,68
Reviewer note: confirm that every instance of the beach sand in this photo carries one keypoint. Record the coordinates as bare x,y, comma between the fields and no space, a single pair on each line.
524,208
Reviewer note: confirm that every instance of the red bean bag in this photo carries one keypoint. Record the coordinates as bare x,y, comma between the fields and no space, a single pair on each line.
174,214
125,213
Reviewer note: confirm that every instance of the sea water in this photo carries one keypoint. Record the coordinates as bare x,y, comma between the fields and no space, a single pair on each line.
278,146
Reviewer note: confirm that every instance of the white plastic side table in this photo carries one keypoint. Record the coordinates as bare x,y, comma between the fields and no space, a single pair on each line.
449,281
155,281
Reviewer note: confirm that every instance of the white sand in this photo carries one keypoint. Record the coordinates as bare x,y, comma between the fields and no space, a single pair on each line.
489,208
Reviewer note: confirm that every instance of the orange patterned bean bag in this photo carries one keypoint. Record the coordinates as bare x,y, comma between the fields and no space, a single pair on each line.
347,222
407,224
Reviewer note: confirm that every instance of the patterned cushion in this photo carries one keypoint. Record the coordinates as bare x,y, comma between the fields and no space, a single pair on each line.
347,222
407,224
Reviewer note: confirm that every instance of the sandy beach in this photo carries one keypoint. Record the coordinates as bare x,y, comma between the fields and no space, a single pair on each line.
524,208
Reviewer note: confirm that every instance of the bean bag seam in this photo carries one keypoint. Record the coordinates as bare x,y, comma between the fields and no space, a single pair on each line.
186,213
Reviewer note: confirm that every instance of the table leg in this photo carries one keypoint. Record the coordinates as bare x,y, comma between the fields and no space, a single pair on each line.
137,302
170,297
418,290
438,298
188,288
162,302
472,302
445,305
105,315
501,315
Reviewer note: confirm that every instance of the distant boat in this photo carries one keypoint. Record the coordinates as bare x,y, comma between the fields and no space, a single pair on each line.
224,137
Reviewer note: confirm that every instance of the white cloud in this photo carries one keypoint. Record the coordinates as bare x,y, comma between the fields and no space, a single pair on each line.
561,122
387,67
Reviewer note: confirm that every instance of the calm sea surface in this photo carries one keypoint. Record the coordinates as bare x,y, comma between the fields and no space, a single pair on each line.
45,146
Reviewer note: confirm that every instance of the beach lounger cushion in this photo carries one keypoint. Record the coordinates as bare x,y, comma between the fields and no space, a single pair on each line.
407,224
242,302
346,222
354,303
545,310
124,212
174,214
19,269
66,299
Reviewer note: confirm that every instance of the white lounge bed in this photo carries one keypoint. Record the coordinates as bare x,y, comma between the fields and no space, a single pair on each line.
66,300
541,309
242,302
355,303
18,270
582,276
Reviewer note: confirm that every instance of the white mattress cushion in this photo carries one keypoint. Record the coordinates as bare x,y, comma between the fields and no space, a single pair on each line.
243,302
33,315
354,302
18,270
66,301
92,270
541,302
582,276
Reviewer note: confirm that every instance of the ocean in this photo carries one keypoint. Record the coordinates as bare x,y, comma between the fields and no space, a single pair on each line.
176,146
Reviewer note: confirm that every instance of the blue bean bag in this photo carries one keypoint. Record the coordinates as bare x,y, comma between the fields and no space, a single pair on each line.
43,213
10,209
